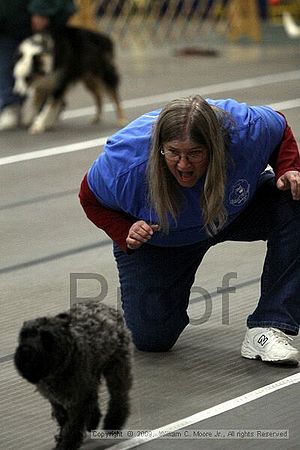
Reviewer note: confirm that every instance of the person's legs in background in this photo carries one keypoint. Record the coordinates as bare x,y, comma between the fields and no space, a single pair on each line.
10,103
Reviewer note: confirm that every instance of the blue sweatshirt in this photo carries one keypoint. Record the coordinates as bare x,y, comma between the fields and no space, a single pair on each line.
118,176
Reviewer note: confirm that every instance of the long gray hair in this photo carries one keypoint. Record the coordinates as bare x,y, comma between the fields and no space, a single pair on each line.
194,119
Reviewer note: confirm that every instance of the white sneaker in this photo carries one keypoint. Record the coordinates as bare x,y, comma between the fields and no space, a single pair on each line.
10,117
269,344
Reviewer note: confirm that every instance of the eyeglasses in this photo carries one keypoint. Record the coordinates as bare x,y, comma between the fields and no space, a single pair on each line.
193,156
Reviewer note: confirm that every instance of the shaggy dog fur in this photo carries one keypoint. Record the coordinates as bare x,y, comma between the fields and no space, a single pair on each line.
49,63
66,356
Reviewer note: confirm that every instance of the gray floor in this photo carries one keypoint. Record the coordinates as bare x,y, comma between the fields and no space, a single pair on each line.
46,237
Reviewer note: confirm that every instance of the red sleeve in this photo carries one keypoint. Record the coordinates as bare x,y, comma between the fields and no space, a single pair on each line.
115,223
287,156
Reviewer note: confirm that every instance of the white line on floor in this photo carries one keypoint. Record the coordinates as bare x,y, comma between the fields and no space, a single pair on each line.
204,90
68,148
77,146
210,412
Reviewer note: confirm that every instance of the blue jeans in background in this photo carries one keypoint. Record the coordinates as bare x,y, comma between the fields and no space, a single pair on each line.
8,46
156,281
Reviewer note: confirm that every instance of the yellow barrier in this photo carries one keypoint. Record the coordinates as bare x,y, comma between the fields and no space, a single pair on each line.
86,14
146,23
244,20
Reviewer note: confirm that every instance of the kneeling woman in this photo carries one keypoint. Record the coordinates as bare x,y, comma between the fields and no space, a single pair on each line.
177,181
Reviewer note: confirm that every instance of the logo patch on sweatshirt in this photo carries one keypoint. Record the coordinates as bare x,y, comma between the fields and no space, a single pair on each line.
239,193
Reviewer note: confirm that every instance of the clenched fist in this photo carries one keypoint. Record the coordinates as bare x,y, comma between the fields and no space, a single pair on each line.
139,233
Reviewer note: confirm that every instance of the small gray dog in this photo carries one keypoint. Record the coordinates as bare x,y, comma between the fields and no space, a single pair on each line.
66,355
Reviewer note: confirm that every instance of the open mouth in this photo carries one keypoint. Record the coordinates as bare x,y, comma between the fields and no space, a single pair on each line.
185,176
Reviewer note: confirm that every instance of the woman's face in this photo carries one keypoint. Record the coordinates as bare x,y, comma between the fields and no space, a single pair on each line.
186,160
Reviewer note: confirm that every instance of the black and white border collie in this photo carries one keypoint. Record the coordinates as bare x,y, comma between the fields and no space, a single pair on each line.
48,63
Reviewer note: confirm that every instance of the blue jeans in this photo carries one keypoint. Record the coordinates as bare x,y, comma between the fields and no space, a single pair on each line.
8,46
156,281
